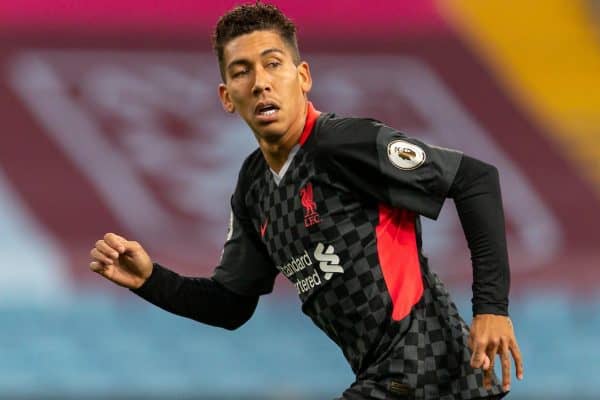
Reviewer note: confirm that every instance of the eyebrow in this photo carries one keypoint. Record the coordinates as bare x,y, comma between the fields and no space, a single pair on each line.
244,61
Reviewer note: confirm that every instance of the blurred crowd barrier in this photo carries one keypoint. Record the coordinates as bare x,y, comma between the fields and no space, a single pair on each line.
111,122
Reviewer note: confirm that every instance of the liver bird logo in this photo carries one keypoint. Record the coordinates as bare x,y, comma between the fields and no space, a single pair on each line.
306,198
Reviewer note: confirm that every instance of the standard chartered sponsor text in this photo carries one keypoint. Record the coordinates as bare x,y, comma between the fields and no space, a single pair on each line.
304,281
304,285
298,264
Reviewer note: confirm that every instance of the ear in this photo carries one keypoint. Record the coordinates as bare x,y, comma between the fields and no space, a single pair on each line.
305,77
225,99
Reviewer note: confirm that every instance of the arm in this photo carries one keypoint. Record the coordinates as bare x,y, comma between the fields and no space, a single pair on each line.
476,192
227,299
419,177
127,264
201,299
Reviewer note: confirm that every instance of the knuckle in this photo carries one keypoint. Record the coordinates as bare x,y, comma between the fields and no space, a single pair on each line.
108,236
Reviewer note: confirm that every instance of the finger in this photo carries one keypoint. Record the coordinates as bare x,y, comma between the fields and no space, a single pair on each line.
479,357
492,350
516,353
97,267
488,373
97,256
488,376
504,358
105,249
486,362
116,242
471,343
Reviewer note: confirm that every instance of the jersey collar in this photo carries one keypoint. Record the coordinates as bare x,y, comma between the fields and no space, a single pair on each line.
311,118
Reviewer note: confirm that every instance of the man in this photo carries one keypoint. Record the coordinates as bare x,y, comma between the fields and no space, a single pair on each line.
332,203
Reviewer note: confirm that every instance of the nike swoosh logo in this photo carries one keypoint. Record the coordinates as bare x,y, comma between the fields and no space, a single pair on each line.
263,227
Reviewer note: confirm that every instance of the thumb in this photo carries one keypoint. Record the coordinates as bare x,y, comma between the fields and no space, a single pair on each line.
134,254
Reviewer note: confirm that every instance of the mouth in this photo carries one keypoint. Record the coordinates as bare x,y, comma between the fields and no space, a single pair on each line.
266,111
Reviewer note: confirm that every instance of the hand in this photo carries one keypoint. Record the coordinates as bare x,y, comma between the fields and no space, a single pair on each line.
491,335
124,262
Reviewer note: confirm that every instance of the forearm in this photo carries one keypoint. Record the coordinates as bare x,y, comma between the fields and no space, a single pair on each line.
201,299
476,192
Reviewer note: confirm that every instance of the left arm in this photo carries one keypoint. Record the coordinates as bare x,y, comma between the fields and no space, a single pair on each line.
419,177
476,193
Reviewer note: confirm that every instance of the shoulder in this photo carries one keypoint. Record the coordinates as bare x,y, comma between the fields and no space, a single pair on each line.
333,129
341,136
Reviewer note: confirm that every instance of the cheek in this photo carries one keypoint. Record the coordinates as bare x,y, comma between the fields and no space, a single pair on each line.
237,95
291,82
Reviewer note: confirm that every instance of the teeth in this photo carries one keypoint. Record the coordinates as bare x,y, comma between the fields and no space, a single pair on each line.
268,112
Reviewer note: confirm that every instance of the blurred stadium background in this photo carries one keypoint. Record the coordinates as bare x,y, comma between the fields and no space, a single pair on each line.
110,122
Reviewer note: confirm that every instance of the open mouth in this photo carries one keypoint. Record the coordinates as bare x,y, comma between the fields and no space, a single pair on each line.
266,110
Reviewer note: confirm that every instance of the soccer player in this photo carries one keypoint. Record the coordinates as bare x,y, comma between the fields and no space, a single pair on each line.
333,204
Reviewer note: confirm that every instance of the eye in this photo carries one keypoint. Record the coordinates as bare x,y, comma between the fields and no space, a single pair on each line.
273,64
239,73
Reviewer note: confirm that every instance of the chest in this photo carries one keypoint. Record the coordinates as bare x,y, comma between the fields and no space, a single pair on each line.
312,225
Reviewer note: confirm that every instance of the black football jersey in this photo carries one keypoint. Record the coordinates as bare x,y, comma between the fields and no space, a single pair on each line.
341,222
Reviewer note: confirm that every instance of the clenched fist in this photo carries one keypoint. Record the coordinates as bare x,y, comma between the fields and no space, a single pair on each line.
124,262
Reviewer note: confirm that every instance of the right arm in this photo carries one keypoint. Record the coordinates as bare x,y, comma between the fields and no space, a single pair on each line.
201,299
227,299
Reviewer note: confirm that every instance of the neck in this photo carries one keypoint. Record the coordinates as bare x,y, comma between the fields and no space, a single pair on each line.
276,153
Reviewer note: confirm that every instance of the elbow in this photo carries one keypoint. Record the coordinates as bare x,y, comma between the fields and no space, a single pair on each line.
240,312
481,170
473,177
236,323
492,172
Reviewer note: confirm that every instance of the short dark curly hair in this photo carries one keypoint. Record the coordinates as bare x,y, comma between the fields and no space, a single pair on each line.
248,18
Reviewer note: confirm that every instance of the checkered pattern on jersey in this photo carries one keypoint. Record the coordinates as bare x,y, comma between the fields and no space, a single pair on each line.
351,308
280,207
427,351
432,357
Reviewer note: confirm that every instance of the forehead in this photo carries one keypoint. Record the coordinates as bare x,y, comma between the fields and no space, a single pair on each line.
253,44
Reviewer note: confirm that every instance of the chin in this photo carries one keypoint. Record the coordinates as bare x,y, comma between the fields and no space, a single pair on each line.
271,136
271,132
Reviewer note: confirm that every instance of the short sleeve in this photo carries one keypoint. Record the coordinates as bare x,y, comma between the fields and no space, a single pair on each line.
245,267
390,166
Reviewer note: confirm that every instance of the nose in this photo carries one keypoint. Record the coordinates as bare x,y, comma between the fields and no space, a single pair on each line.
262,81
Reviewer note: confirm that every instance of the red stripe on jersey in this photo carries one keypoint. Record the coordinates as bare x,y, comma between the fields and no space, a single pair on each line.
311,118
399,258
